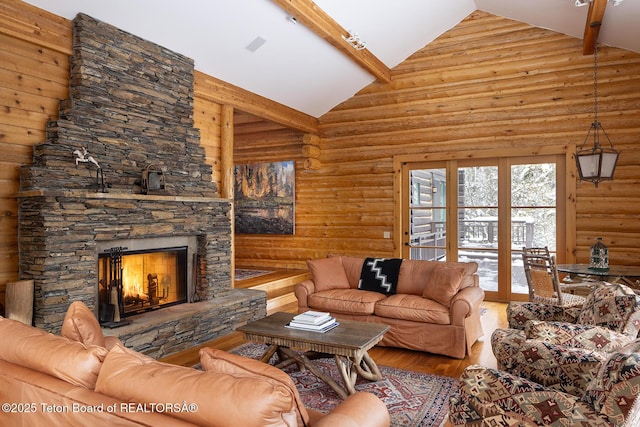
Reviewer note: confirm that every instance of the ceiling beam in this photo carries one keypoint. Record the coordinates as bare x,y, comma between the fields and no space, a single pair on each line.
593,25
313,17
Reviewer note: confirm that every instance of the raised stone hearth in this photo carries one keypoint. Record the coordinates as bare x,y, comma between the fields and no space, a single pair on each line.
131,108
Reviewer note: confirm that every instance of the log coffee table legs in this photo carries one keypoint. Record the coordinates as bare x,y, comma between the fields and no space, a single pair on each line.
360,365
349,367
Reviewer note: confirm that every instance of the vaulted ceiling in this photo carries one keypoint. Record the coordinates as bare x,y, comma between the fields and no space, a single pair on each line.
305,63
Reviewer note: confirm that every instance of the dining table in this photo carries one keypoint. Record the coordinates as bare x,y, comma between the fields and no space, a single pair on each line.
626,274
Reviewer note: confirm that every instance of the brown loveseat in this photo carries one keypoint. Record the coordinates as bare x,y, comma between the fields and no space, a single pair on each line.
435,306
75,380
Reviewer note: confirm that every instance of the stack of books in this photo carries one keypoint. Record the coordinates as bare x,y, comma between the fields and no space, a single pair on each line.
317,321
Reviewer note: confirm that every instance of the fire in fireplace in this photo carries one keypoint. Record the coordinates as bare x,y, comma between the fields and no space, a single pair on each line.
138,281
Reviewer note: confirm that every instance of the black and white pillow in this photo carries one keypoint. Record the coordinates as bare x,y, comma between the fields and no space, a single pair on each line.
380,275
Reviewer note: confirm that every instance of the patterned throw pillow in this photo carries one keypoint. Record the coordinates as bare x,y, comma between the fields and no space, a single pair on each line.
615,388
609,305
576,335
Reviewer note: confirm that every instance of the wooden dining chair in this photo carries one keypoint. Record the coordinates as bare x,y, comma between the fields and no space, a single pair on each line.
542,279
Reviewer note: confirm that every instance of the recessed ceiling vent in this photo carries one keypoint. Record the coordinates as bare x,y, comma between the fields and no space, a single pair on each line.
256,44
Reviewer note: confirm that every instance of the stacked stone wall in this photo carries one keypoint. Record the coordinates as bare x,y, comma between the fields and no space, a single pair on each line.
131,108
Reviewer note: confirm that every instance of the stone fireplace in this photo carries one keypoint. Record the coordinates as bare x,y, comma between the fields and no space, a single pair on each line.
141,275
130,112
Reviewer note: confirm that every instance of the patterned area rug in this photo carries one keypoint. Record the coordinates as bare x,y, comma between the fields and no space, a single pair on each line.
245,273
413,398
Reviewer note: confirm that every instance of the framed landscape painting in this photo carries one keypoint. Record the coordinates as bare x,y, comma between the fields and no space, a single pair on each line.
264,198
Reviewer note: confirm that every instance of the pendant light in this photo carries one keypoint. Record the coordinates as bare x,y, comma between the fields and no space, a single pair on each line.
597,163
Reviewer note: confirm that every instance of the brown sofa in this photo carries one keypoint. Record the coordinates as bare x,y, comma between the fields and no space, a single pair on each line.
435,307
75,380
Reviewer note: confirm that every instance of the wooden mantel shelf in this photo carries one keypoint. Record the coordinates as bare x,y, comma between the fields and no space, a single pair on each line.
118,196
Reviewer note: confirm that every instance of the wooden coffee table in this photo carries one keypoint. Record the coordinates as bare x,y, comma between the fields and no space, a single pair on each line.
348,344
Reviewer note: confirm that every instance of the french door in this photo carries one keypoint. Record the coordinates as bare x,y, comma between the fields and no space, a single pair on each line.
486,211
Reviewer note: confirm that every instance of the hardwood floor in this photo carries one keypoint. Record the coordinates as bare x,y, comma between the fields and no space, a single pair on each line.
481,354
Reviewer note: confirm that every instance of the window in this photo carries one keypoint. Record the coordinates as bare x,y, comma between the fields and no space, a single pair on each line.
485,211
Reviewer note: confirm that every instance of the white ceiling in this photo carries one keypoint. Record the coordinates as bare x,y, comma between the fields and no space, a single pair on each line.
299,69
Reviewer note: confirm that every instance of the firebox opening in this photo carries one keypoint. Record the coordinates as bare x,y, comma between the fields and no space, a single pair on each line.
132,282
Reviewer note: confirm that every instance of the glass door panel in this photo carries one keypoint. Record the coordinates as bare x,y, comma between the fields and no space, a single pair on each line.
478,221
533,215
427,214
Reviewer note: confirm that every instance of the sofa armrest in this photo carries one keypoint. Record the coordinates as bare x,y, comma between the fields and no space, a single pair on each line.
361,409
302,291
464,303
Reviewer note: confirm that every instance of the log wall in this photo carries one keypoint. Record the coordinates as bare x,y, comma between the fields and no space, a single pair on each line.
489,82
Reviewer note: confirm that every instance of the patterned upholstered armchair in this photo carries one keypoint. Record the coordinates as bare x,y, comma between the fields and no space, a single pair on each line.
489,397
609,320
585,371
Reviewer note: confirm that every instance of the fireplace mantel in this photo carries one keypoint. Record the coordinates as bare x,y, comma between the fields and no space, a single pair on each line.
83,194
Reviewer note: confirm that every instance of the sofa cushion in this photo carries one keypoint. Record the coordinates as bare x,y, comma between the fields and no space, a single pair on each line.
216,399
215,360
81,325
444,283
413,307
36,349
615,387
328,273
609,305
352,301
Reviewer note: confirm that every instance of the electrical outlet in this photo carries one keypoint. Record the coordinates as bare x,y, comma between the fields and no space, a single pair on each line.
387,234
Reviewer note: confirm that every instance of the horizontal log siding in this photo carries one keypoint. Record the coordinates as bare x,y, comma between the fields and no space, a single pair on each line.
34,77
488,83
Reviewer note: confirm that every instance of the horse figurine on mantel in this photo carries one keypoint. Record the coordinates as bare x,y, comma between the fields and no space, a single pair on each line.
84,157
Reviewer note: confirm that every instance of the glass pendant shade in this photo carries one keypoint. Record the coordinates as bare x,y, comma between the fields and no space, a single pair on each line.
598,163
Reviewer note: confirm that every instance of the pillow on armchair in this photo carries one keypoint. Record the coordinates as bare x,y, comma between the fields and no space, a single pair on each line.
611,305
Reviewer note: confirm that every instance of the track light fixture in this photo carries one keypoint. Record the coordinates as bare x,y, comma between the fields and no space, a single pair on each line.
354,40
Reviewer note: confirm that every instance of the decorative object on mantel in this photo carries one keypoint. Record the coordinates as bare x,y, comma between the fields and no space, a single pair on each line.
598,163
599,259
153,181
82,156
